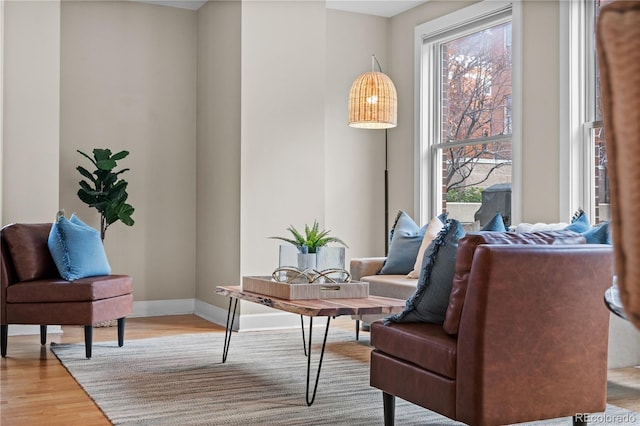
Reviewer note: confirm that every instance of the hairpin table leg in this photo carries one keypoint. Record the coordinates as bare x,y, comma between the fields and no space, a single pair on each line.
304,342
324,342
229,328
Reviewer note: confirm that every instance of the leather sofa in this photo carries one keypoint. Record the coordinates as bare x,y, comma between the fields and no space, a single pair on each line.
32,291
525,335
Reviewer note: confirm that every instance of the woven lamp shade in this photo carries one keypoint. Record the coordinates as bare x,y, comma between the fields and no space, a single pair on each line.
373,102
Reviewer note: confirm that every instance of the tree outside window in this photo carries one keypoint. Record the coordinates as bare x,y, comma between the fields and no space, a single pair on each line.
476,113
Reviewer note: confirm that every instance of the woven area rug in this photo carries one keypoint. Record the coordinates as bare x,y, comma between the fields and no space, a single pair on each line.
181,380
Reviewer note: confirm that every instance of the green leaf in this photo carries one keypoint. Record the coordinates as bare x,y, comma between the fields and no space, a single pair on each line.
288,240
109,180
85,197
101,154
120,155
86,173
107,164
124,214
122,171
85,185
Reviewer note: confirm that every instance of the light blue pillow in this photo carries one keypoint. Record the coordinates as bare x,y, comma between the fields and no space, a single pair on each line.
406,238
77,249
579,223
496,224
599,234
430,300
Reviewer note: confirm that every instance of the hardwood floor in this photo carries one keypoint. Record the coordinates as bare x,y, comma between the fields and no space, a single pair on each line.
35,389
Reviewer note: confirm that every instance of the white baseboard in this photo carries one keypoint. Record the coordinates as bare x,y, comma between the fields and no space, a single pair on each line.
156,308
253,322
212,313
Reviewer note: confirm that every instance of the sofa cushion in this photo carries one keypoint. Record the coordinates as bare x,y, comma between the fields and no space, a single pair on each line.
395,286
425,345
430,300
466,250
579,222
81,290
27,244
406,238
77,249
433,228
599,234
496,224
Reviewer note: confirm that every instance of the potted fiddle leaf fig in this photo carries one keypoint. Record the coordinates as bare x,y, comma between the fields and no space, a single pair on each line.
105,190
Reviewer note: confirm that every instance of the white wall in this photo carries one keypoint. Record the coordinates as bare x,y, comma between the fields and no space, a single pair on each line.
218,149
31,111
354,166
283,118
128,77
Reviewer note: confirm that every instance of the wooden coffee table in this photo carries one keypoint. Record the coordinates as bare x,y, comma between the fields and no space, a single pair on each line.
311,308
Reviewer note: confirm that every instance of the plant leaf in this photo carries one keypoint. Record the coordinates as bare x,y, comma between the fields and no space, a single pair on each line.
288,240
101,154
120,155
124,214
106,164
85,197
86,173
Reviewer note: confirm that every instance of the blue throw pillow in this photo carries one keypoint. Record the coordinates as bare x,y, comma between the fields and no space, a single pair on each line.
406,238
579,222
430,300
77,249
496,224
598,234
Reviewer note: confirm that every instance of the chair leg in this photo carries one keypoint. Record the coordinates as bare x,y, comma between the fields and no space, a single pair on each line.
43,335
121,331
88,339
4,334
389,403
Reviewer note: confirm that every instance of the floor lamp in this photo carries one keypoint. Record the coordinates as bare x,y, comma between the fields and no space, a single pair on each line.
373,104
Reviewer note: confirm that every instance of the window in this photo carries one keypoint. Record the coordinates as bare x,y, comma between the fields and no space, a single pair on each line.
466,109
588,179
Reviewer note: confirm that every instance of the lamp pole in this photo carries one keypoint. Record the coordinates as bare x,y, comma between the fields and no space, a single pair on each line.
386,193
373,105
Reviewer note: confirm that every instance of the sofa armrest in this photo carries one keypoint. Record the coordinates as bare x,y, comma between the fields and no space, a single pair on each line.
365,266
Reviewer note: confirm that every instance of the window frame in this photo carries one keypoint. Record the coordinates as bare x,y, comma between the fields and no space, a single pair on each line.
577,107
426,176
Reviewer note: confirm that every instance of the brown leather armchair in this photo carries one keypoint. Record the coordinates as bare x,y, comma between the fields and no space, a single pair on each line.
525,335
32,292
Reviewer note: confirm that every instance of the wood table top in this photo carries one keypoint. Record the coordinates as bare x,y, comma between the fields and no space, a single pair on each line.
319,307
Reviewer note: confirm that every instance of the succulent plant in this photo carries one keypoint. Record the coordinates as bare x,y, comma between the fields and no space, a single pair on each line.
313,237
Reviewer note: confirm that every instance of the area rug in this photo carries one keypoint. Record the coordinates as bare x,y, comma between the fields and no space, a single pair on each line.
181,380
